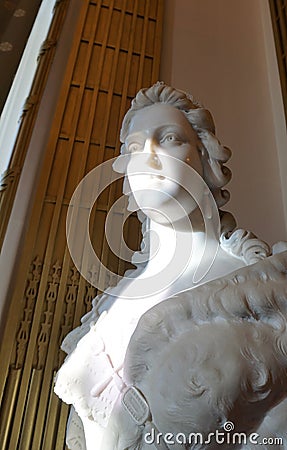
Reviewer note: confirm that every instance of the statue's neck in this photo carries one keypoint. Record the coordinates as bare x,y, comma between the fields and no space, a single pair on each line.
181,250
178,260
181,259
167,245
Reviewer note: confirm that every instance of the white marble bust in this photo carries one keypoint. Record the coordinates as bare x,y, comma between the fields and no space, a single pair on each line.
182,335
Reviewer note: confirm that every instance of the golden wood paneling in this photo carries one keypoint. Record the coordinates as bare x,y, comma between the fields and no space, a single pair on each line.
115,51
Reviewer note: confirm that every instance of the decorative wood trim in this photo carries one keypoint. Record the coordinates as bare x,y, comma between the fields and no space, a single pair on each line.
30,111
7,178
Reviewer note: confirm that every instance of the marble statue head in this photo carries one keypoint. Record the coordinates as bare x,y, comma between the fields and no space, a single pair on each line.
205,154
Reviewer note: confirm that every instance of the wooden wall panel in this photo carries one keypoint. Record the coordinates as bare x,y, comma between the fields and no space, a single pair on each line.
115,51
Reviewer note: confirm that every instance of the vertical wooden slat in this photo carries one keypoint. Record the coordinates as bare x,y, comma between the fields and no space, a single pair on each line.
105,251
27,428
112,78
157,41
8,408
143,45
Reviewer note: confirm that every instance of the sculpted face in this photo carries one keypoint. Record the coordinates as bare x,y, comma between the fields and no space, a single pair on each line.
160,141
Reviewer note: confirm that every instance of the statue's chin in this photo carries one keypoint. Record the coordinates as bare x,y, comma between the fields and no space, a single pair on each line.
182,222
167,211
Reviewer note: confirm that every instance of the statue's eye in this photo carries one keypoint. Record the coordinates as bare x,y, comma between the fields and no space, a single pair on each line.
170,138
134,147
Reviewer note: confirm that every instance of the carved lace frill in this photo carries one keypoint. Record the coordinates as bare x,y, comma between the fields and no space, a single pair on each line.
88,370
90,379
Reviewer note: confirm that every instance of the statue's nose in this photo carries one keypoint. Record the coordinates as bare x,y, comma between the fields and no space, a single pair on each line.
153,158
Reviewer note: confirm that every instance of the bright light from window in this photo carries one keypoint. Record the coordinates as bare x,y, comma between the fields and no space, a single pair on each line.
11,114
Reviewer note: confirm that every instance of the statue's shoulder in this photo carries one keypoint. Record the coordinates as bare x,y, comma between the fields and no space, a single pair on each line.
202,302
253,293
197,353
